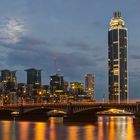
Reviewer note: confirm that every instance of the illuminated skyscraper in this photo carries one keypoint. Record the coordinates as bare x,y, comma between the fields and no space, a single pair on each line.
56,84
90,85
8,80
117,59
33,77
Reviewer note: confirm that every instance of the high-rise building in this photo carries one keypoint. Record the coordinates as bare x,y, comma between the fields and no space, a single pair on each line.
33,77
8,80
56,84
117,59
90,85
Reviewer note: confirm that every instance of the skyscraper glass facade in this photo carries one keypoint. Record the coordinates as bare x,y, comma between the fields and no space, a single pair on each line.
117,59
33,76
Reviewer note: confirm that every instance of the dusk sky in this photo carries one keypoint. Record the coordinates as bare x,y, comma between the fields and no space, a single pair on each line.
33,32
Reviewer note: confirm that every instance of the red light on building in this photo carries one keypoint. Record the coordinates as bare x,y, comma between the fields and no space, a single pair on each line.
89,75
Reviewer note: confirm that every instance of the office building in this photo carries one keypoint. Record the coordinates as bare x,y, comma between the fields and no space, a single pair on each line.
90,85
8,80
33,77
56,84
117,59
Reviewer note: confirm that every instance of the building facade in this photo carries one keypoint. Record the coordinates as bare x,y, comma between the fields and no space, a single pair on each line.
33,77
90,85
117,59
56,84
8,80
76,88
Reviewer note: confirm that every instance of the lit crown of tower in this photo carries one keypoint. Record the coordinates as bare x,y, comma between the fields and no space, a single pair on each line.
117,21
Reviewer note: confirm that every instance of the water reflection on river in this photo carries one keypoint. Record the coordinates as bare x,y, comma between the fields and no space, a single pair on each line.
106,128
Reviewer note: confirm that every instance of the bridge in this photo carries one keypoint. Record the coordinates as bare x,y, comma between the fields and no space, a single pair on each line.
72,109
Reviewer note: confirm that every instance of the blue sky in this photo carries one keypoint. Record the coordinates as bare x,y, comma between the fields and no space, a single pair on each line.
33,32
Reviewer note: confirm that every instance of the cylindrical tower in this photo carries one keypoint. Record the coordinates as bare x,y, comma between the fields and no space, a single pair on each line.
117,59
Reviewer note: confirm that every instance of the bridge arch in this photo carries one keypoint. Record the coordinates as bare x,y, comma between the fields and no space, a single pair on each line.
41,110
93,110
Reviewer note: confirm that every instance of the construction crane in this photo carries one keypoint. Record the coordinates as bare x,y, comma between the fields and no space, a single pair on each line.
57,69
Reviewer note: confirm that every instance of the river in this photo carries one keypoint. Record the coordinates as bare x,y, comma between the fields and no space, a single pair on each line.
105,128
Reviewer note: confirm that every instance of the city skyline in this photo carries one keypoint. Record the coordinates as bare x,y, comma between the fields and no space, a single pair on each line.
75,32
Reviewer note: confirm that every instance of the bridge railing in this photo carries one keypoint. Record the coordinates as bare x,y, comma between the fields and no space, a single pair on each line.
69,104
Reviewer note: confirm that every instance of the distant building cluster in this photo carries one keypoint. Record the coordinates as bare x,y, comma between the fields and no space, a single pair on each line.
58,89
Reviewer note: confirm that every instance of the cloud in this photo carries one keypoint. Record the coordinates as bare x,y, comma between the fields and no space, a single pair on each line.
37,53
74,44
135,56
40,53
27,50
11,29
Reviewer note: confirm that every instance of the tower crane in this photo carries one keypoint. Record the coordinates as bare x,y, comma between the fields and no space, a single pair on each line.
57,69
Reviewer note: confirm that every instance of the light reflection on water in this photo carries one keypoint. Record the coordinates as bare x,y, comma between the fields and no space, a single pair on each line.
24,129
106,128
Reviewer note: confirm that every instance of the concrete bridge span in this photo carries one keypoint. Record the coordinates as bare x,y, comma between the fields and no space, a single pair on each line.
71,109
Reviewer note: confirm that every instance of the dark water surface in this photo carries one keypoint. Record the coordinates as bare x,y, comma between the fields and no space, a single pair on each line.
106,128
